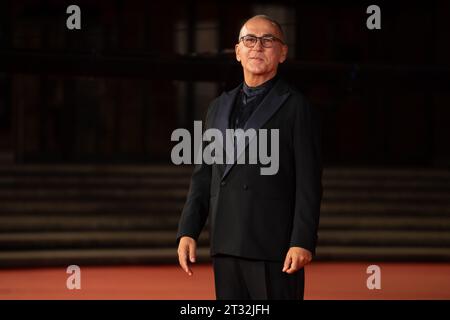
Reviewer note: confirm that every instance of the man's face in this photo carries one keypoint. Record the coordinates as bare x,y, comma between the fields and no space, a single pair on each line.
260,61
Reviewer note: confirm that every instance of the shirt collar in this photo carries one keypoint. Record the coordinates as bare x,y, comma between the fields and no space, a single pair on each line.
262,88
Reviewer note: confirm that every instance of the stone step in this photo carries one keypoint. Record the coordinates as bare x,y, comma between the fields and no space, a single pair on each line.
342,222
381,172
83,207
367,208
385,195
90,193
97,214
11,177
383,254
142,256
93,181
170,174
84,257
356,208
91,239
177,190
169,169
45,223
416,238
388,184
95,169
160,239
176,193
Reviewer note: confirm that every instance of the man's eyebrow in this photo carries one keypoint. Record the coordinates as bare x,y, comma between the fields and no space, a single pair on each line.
264,35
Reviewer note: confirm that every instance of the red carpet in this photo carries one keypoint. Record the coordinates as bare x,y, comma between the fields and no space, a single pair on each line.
323,281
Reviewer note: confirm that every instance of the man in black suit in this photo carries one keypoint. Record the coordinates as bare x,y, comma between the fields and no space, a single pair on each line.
263,228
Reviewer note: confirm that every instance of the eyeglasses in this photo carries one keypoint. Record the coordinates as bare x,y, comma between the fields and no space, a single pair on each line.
266,41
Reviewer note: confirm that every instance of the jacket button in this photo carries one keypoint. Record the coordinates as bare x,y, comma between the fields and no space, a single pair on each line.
223,183
245,187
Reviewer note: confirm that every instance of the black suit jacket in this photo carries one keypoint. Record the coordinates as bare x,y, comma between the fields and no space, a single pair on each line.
261,216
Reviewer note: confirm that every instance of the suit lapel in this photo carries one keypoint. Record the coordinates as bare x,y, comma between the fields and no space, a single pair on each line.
221,120
267,108
226,103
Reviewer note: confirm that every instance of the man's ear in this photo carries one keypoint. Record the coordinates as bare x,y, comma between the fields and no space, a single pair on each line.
238,52
284,52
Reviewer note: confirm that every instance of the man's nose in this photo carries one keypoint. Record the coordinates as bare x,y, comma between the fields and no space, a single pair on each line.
258,45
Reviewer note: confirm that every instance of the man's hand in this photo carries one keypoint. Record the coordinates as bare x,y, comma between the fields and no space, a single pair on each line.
186,250
296,258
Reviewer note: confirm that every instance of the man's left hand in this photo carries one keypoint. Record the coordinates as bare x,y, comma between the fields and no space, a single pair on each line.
296,258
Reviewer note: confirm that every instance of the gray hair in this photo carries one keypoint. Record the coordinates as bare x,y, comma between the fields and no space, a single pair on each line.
265,17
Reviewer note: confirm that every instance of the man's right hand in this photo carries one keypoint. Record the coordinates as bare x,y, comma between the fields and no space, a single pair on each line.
186,253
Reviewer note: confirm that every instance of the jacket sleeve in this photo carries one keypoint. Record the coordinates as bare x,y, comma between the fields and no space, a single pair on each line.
308,176
196,208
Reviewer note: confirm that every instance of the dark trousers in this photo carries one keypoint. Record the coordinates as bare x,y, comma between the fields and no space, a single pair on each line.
244,279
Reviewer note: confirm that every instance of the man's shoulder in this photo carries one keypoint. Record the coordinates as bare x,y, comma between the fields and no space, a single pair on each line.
298,106
296,100
223,97
213,105
295,92
230,92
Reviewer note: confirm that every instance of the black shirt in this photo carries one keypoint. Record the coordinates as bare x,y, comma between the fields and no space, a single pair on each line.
247,101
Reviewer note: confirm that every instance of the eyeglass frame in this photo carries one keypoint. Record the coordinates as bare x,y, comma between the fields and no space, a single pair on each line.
260,39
